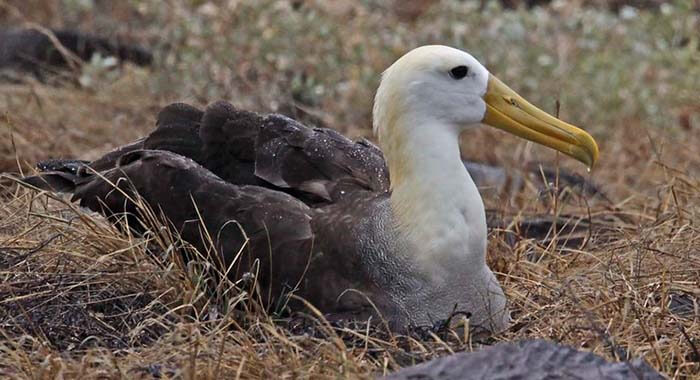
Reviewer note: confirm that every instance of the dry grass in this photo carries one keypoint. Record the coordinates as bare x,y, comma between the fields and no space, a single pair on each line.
81,299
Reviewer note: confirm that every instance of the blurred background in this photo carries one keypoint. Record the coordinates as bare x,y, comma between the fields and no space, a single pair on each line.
627,71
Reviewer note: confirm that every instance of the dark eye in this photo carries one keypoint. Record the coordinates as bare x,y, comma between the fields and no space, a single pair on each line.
459,72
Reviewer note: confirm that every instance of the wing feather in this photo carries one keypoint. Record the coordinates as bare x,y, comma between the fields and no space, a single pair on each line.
271,227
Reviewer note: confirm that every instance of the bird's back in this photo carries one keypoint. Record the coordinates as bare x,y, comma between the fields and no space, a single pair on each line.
309,205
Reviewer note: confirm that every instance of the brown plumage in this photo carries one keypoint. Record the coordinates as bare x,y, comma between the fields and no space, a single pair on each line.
286,185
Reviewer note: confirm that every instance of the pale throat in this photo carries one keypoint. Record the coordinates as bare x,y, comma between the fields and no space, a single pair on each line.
435,202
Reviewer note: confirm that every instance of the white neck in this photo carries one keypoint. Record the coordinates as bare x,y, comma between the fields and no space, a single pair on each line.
436,204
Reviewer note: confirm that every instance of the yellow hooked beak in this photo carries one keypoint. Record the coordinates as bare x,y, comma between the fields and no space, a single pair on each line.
507,110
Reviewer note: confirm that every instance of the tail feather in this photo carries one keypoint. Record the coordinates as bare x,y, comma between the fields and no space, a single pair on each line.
58,182
58,175
60,165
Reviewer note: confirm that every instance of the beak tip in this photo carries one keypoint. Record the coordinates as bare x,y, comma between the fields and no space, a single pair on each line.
586,151
590,143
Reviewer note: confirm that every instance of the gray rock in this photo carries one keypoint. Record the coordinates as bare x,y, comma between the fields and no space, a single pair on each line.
530,359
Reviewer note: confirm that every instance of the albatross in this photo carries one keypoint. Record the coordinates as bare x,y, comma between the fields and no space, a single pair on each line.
358,232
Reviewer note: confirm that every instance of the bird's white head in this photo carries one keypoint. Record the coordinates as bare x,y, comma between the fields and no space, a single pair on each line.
439,87
431,85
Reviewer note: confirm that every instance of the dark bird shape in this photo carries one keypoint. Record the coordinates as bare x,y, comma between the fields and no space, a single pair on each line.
33,51
315,213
